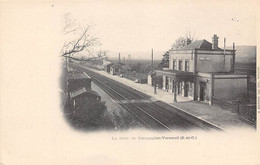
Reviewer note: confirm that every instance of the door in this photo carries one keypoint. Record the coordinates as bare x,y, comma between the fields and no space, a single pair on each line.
186,89
179,88
167,83
202,91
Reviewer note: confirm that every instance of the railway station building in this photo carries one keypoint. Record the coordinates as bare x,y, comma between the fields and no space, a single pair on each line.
78,96
202,71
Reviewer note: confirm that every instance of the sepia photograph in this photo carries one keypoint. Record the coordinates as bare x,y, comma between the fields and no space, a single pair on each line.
166,74
129,82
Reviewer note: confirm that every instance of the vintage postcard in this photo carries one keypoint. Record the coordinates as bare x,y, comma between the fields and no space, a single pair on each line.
129,82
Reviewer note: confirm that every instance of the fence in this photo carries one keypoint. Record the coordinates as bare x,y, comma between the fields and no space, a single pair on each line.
247,112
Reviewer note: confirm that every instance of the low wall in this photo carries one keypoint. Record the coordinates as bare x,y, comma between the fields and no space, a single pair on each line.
230,87
149,80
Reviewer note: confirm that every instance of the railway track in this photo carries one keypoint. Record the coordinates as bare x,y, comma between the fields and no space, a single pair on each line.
151,114
147,119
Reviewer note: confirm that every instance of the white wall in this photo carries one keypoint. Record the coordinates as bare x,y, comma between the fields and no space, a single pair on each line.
177,57
149,79
213,63
229,88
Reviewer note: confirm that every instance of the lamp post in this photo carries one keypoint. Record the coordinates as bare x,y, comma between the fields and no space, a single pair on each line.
174,90
154,82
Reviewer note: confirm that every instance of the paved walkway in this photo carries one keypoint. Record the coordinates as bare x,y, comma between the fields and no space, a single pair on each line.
222,118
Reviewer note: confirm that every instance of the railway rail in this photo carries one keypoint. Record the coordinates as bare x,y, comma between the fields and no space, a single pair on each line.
152,115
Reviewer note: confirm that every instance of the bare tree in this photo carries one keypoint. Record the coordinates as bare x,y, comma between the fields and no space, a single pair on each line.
98,55
182,41
178,44
101,54
79,37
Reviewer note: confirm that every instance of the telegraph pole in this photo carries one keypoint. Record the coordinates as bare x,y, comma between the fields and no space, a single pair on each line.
234,57
129,56
154,81
119,58
152,59
224,53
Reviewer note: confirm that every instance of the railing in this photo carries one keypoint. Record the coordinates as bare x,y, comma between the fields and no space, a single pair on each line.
247,112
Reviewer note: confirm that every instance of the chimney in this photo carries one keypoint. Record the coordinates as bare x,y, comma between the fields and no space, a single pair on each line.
188,41
215,42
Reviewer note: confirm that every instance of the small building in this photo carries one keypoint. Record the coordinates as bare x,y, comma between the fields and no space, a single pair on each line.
141,78
78,80
78,96
92,95
107,67
114,69
149,78
204,72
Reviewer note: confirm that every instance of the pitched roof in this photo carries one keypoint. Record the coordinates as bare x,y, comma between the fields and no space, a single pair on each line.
200,44
151,72
77,92
82,90
175,72
108,64
78,76
92,92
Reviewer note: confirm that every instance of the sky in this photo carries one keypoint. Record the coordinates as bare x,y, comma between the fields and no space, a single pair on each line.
143,25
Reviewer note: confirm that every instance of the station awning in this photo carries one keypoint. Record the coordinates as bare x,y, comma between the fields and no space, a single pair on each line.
176,74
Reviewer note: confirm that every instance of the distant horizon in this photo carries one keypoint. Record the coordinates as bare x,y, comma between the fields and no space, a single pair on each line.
170,48
158,55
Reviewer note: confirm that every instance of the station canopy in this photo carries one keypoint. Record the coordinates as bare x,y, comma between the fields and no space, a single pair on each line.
176,75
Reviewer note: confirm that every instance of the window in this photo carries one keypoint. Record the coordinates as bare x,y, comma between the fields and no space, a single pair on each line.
174,65
186,65
180,64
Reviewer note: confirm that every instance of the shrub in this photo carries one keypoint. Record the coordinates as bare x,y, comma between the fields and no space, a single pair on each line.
89,114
